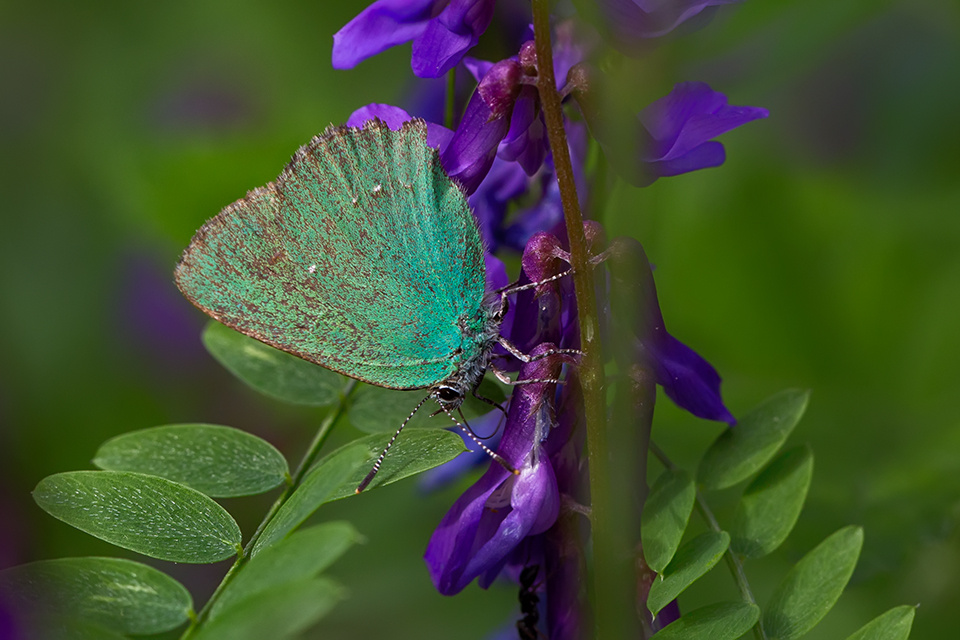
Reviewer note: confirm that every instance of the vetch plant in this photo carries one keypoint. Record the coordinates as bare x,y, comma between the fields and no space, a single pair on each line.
376,254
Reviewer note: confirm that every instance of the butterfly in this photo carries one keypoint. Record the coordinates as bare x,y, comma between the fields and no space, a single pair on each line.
363,257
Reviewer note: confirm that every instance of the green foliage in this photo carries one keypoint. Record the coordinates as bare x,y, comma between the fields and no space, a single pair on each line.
270,371
146,514
742,450
317,487
300,556
218,461
338,474
813,586
694,559
412,453
665,517
90,593
278,612
895,624
722,621
766,513
771,504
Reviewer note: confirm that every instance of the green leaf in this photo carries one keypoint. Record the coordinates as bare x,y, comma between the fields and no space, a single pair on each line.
722,621
302,555
219,461
771,504
119,595
693,560
271,371
414,452
743,449
665,517
895,624
812,587
275,613
146,514
317,488
378,410
338,474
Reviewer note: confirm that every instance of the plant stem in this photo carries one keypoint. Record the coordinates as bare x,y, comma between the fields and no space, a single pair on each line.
308,458
733,562
610,617
450,101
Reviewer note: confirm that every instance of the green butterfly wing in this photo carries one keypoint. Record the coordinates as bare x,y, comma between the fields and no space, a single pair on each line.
363,257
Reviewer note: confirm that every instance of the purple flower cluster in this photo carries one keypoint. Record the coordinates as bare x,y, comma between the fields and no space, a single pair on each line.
498,153
441,31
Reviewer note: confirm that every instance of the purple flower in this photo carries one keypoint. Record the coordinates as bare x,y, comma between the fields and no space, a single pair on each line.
438,136
471,152
679,129
673,134
467,153
489,521
670,613
547,212
629,22
557,552
526,139
689,380
442,31
493,197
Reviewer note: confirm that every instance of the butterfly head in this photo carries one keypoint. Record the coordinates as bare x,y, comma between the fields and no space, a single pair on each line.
449,394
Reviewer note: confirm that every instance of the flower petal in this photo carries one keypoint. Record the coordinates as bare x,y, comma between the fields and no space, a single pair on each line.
504,182
686,377
708,155
471,152
676,132
438,136
384,24
690,115
449,36
526,140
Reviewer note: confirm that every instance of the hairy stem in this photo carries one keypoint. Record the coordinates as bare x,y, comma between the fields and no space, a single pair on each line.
733,562
308,459
614,616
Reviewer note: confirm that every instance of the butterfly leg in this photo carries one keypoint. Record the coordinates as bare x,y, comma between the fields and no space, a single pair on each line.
514,287
523,357
501,375
476,440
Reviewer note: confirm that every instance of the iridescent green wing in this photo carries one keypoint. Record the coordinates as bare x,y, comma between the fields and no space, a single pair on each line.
362,257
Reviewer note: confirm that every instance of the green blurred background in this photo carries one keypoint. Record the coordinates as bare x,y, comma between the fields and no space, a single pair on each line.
823,254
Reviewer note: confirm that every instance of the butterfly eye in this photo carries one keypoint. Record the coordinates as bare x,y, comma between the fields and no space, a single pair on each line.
448,394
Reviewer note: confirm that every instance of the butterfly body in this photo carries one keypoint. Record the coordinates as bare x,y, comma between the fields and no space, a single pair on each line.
362,257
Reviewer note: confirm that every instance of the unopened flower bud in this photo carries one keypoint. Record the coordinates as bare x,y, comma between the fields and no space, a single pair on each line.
528,57
500,87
